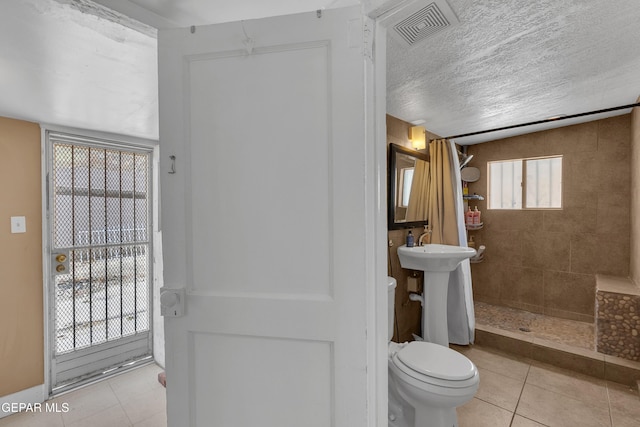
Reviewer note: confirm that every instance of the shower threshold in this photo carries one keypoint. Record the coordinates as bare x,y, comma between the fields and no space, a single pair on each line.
567,344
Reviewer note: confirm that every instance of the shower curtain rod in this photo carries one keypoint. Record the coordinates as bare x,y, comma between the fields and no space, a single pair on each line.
552,119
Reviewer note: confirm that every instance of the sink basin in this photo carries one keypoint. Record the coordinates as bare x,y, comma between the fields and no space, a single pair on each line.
433,257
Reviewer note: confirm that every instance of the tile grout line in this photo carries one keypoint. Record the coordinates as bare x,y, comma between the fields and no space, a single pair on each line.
606,383
120,404
513,415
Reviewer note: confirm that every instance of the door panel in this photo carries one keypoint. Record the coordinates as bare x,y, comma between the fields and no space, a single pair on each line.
254,182
251,396
264,221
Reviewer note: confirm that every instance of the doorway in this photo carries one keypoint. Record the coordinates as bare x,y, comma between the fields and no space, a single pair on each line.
99,225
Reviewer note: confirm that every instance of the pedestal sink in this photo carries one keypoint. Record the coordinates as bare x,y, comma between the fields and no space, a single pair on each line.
437,262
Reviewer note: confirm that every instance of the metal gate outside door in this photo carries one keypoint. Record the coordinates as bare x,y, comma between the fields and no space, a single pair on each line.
99,221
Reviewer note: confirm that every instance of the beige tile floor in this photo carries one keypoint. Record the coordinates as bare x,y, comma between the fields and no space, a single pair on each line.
516,392
131,399
513,392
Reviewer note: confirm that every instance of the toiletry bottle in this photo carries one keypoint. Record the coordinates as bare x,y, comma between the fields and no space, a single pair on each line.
476,216
471,243
468,216
410,239
465,188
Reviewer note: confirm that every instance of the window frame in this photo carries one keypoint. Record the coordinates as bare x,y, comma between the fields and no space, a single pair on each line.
523,184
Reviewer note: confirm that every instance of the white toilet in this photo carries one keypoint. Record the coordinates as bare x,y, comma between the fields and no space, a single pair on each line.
427,381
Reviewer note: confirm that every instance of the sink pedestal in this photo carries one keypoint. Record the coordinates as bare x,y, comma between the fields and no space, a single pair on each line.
437,262
434,310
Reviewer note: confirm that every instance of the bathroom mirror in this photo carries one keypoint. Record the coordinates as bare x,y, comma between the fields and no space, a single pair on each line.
403,164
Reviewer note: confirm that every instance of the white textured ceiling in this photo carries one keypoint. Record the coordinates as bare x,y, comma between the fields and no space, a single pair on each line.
81,64
517,61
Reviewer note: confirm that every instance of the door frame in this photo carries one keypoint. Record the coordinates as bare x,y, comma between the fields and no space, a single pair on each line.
121,141
377,301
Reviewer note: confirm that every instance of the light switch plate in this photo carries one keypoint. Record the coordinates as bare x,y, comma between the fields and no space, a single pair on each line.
18,224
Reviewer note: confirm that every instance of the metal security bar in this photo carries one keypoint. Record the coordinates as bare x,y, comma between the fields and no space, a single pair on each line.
100,215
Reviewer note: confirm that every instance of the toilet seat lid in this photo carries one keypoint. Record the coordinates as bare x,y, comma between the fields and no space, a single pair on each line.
436,361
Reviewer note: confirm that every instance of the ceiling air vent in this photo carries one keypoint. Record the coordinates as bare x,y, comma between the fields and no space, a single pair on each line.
417,21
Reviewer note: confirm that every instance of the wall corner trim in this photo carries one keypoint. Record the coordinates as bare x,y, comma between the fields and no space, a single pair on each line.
29,396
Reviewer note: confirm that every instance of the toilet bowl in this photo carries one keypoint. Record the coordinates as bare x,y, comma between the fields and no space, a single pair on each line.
427,381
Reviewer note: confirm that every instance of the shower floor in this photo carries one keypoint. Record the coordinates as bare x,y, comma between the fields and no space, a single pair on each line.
569,332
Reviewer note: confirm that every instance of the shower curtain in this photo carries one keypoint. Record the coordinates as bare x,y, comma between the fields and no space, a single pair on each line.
441,204
446,217
417,206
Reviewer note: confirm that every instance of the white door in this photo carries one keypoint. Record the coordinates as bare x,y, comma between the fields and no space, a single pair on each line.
267,200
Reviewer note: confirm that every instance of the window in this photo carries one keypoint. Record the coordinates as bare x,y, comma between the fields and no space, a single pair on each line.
536,181
406,178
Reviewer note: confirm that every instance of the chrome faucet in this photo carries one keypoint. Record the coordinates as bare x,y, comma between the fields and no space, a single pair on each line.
426,234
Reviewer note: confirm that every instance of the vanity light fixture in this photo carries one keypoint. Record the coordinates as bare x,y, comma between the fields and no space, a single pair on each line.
418,138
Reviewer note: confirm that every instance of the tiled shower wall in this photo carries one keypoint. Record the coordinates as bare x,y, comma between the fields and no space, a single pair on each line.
546,261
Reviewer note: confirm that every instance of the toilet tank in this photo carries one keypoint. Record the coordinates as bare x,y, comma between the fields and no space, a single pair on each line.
391,300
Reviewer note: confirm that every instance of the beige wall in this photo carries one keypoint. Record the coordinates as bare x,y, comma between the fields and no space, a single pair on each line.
408,313
546,261
634,264
21,310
